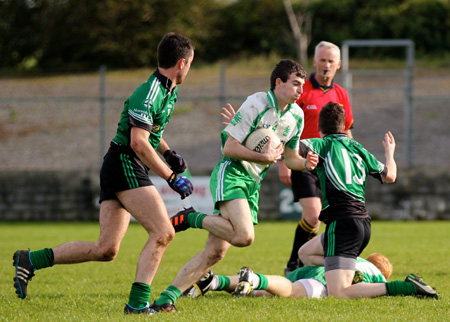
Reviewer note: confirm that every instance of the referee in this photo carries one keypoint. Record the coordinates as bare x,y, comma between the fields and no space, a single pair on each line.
318,90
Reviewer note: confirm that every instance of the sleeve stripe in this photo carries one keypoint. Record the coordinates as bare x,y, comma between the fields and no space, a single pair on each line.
154,90
139,117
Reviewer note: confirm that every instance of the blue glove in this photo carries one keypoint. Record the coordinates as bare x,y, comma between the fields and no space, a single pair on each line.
180,184
175,161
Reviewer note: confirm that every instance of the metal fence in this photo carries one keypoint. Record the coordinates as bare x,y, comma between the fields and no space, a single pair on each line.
66,122
382,98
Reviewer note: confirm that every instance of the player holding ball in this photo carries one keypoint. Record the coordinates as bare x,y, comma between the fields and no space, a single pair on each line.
236,180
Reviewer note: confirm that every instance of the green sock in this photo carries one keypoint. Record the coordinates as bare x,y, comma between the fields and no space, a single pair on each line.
139,295
263,282
169,295
395,288
42,258
224,283
195,219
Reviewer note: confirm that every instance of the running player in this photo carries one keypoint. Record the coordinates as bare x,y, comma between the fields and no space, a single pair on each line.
319,89
236,180
125,185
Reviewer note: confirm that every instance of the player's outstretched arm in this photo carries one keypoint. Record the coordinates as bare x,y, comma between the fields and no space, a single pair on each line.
295,161
391,165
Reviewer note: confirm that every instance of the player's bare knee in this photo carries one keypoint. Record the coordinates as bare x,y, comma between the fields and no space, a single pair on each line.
312,217
301,253
303,256
108,254
243,240
170,235
215,256
314,222
164,239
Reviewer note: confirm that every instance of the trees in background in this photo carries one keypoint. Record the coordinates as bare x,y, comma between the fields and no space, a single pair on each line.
81,34
425,22
301,25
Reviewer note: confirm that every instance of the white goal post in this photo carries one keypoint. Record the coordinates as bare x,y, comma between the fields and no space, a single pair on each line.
408,72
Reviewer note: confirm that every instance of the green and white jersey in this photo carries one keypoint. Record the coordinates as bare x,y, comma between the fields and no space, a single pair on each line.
150,108
343,168
370,272
260,110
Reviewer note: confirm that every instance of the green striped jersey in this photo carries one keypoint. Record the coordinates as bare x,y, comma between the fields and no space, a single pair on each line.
343,168
150,108
261,110
370,272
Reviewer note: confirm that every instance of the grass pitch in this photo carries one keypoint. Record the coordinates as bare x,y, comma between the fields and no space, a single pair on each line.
98,291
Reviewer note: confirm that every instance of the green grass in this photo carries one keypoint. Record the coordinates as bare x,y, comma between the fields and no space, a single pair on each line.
98,291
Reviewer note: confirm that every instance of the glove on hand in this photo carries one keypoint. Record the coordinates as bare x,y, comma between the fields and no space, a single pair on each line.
180,184
175,161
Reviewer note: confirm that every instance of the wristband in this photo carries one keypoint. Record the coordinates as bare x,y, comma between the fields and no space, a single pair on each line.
175,161
306,168
172,178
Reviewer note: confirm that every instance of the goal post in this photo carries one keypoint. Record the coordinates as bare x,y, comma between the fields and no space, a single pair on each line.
408,88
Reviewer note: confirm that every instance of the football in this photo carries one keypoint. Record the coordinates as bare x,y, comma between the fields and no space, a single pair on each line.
258,139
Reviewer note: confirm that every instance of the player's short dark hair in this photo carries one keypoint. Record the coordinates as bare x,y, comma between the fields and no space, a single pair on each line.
284,69
172,48
331,118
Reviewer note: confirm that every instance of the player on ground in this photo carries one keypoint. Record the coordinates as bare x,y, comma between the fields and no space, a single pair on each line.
307,281
319,89
343,168
236,180
125,185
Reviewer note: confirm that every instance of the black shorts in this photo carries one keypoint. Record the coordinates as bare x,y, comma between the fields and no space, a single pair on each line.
346,237
121,171
305,184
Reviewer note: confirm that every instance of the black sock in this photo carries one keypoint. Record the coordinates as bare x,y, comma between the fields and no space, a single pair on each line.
303,233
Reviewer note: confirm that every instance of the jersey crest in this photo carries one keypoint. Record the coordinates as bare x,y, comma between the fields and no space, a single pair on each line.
236,119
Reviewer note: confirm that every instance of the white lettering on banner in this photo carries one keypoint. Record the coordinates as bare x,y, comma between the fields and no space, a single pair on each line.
288,208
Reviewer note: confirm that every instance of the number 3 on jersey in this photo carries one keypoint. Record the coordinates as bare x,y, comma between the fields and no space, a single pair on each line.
349,179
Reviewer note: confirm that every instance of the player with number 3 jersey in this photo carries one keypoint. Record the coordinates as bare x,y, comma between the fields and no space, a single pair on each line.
342,170
319,89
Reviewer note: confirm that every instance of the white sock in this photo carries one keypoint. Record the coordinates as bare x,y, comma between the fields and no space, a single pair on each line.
255,280
214,283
